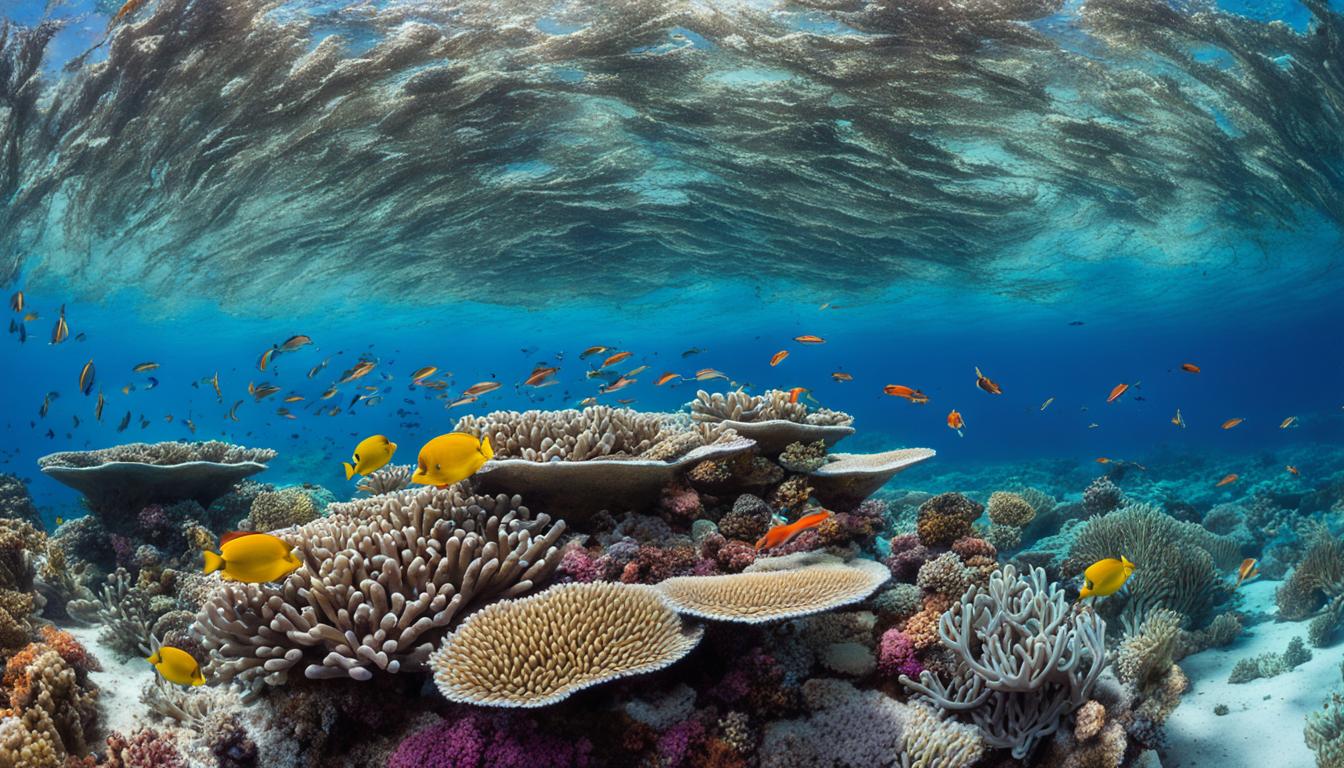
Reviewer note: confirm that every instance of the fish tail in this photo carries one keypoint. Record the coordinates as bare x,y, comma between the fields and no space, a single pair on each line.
487,451
213,562
349,470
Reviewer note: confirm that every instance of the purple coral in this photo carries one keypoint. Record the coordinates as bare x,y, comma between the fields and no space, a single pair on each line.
678,742
896,655
578,564
123,549
907,555
680,502
499,740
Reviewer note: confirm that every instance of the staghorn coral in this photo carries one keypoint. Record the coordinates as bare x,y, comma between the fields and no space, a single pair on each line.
945,518
537,650
776,588
273,510
1010,509
1024,659
381,579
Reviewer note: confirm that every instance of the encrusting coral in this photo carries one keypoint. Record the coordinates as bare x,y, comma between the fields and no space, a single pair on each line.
1024,659
776,588
537,650
381,580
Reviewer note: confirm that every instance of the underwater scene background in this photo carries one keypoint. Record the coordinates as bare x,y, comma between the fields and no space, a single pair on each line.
1051,474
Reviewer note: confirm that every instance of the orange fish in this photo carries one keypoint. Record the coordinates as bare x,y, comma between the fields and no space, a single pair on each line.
616,358
705,374
1189,367
808,338
982,381
423,373
480,388
842,376
1292,470
540,374
1246,571
265,359
618,384
795,393
361,369
1117,392
462,401
61,331
666,377
16,301
1230,423
954,421
1103,460
589,352
909,393
782,534
1227,480
131,6
1291,421
778,357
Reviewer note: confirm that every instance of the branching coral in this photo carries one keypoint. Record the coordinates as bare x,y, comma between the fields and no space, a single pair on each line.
381,580
592,433
1174,567
537,650
389,479
1025,659
768,406
124,611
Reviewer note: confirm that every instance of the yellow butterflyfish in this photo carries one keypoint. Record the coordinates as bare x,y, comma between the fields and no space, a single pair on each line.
252,557
451,458
177,666
371,455
1105,577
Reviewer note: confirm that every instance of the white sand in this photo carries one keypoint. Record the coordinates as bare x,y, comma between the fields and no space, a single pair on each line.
1264,727
119,683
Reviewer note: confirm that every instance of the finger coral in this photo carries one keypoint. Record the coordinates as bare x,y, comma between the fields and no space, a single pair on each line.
389,479
535,651
381,580
1025,659
765,591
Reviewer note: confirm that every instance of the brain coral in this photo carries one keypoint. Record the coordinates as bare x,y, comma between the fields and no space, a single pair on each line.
945,518
381,579
540,649
1010,509
794,585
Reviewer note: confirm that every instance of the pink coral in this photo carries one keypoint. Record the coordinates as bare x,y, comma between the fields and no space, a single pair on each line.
896,655
907,555
971,546
678,742
146,748
680,502
578,564
503,740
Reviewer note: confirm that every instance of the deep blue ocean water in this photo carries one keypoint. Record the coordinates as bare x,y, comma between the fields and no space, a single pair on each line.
1080,302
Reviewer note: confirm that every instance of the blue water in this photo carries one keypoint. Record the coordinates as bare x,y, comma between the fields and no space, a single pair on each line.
1085,298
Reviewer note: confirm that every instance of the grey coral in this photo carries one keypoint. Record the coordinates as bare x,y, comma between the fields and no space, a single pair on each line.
1024,659
382,580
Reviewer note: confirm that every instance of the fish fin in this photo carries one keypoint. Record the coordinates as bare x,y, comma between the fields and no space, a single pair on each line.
486,450
213,562
1125,562
392,448
349,469
231,535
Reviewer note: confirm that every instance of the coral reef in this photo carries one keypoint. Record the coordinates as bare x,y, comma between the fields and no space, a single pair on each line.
52,706
1270,664
945,518
1024,659
538,650
273,510
382,579
15,501
389,479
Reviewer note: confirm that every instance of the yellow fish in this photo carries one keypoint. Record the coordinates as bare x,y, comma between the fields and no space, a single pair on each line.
1105,577
177,666
450,458
252,557
371,454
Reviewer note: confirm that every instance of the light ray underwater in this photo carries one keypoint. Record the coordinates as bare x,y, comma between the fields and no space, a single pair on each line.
690,384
